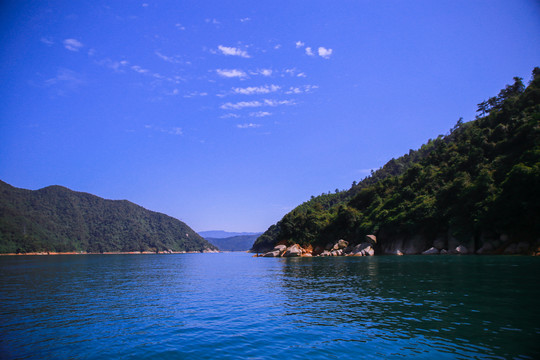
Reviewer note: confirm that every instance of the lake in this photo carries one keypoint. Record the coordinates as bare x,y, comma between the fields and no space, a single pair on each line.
234,306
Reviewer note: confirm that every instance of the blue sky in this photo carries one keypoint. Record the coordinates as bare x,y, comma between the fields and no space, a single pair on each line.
228,114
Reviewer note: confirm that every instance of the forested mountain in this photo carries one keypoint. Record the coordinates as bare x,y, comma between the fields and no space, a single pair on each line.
57,219
480,183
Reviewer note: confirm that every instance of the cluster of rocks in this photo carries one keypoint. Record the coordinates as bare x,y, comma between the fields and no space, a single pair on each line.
439,247
339,248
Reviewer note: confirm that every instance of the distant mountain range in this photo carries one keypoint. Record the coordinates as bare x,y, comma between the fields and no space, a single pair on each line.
234,243
57,219
220,234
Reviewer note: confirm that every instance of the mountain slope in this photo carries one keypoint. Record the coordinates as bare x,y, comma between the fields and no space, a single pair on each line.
479,184
57,219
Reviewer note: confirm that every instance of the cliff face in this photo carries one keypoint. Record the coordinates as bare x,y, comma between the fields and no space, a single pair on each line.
478,186
57,219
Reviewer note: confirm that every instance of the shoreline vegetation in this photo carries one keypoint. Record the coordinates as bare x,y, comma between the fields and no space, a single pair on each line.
476,189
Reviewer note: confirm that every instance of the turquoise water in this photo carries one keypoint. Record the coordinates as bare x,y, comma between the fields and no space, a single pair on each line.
233,306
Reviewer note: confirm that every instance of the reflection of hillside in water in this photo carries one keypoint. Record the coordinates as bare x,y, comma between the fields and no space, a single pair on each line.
436,300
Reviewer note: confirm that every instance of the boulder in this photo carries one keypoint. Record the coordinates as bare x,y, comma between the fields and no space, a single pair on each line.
325,253
293,251
274,253
307,255
280,248
398,252
369,251
372,239
443,252
431,251
342,244
460,250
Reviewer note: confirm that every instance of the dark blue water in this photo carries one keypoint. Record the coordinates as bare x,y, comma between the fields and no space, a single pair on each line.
232,306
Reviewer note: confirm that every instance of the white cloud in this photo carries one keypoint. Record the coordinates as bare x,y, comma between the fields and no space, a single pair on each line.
229,115
212,21
232,51
260,114
303,75
241,105
301,89
248,126
47,41
171,59
250,104
324,52
309,51
195,93
231,73
299,44
265,72
245,19
277,46
139,69
72,44
176,131
256,90
179,26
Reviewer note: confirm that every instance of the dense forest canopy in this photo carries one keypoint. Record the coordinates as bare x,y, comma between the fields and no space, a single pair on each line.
56,219
480,182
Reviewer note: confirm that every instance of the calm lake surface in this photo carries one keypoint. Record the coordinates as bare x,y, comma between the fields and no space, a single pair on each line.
232,306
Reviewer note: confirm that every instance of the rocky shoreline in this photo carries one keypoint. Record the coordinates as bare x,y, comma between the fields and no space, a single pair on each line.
369,247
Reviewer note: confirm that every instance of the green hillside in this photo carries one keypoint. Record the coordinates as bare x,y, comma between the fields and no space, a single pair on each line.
480,183
57,219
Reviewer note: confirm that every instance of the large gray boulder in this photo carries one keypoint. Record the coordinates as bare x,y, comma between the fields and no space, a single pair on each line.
293,251
273,253
280,248
431,251
460,250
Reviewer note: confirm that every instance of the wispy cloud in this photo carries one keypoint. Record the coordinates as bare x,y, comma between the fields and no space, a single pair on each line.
231,73
179,26
212,21
232,51
256,103
175,130
299,44
324,52
245,19
229,115
256,90
195,93
47,41
241,105
72,44
171,59
248,126
260,114
301,89
139,69
309,51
